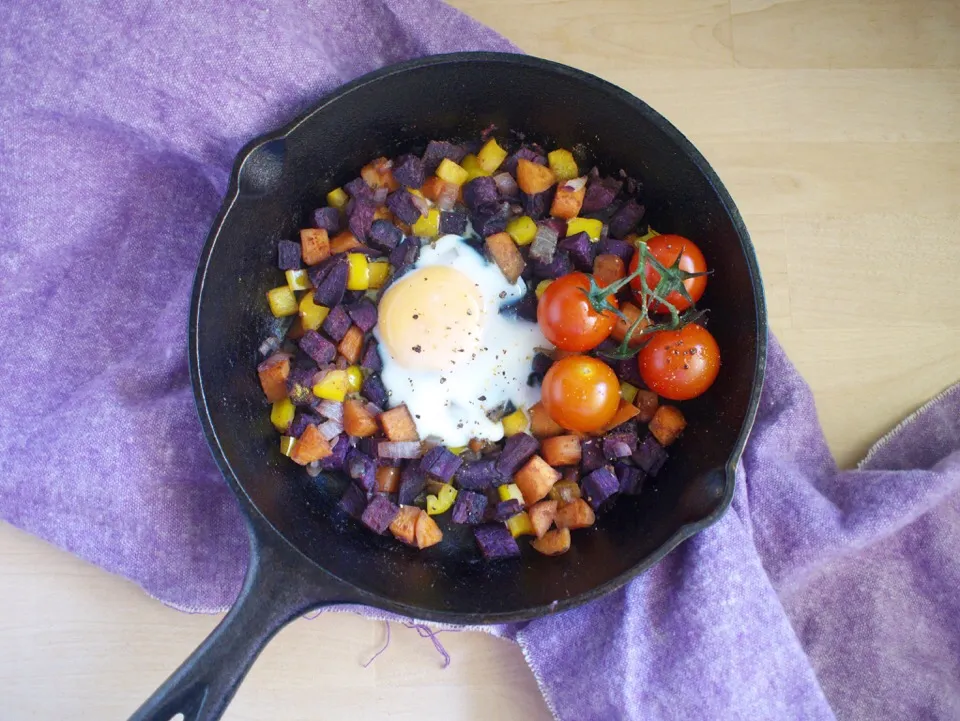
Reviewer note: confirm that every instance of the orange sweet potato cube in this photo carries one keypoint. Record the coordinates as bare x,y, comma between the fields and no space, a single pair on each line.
553,542
533,178
427,531
314,245
647,403
351,345
576,514
541,424
388,479
310,446
506,255
432,187
383,213
608,268
625,412
568,199
273,374
541,516
398,425
404,526
344,242
561,450
535,479
357,420
632,312
379,174
667,424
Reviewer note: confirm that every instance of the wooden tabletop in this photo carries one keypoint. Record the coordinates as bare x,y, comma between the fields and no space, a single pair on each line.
836,127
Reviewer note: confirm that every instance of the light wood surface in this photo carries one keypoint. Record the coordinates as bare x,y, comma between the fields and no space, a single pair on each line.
836,127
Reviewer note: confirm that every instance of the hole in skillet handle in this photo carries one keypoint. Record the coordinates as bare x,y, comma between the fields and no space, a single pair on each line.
262,171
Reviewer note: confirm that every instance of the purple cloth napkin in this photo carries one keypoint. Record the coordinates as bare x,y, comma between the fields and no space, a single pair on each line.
821,594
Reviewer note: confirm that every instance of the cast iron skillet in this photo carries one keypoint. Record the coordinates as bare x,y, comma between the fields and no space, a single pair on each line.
304,552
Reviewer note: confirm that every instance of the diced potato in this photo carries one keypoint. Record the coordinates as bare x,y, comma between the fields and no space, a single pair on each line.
564,491
286,444
404,526
541,424
563,164
338,198
281,414
491,155
471,164
591,226
576,514
351,345
519,525
298,279
357,420
398,425
377,273
273,374
427,532
508,491
622,326
569,199
451,172
310,446
667,424
506,255
282,301
628,391
647,403
542,287
535,479
357,277
378,173
388,479
428,226
311,314
314,245
561,450
608,268
354,379
442,501
625,412
333,386
344,242
553,543
523,230
514,423
533,178
541,516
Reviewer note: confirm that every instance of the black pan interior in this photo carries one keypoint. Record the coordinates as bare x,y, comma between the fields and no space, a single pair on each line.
285,176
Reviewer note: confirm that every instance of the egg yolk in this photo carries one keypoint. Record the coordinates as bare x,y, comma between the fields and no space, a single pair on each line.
431,319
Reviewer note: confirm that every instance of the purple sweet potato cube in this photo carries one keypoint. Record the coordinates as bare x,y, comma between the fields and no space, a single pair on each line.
479,475
359,191
469,508
650,456
288,255
559,266
412,483
631,478
384,235
600,193
317,347
336,460
620,443
620,248
491,219
403,204
591,455
453,221
300,423
360,219
328,219
379,514
406,253
354,501
626,219
329,279
440,463
627,370
374,390
495,541
337,323
437,150
537,205
510,164
370,360
516,451
525,308
363,314
599,486
541,364
362,469
506,509
581,250
408,171
480,192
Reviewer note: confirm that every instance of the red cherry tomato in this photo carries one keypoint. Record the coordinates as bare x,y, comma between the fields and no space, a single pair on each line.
581,393
566,317
666,248
680,364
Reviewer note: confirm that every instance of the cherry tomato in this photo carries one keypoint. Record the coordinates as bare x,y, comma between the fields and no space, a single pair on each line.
581,393
566,317
666,248
680,364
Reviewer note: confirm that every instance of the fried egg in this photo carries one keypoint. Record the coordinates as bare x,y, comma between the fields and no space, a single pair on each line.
448,353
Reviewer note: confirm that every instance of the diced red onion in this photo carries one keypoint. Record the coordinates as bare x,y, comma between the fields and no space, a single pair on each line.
447,197
269,345
380,195
314,469
373,409
423,205
341,363
330,429
398,449
576,184
506,185
604,232
331,410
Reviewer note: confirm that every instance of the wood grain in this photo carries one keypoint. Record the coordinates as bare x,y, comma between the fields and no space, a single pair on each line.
836,127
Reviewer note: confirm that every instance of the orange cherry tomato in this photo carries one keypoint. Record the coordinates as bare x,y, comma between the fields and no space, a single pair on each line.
581,393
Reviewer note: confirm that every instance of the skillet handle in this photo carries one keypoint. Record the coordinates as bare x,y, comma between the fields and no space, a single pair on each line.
274,593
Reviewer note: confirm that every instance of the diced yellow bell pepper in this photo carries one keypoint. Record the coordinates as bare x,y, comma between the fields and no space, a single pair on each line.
491,155
286,444
282,301
590,226
334,386
311,314
628,391
515,423
298,279
428,226
456,450
651,233
473,168
523,230
377,273
441,502
451,172
354,379
563,164
357,275
508,491
519,525
541,287
281,414
338,198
